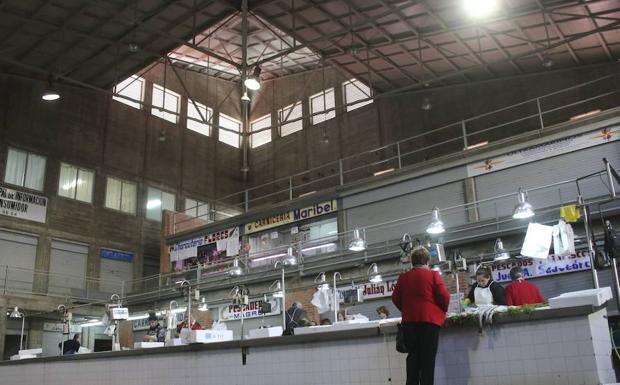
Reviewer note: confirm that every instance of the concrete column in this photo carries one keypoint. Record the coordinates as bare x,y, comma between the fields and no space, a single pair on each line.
34,333
471,196
3,319
92,267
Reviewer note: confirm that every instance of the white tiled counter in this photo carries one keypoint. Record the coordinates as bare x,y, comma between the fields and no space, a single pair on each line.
556,346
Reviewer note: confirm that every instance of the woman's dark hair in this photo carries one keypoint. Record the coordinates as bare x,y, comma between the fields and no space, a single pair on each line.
383,309
420,256
483,271
76,336
516,273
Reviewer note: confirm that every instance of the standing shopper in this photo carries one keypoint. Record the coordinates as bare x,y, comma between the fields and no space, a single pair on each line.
423,300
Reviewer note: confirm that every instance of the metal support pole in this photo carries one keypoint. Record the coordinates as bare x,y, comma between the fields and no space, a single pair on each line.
247,200
290,188
340,170
458,288
245,105
6,276
283,300
400,162
464,130
610,179
586,222
540,117
336,274
21,336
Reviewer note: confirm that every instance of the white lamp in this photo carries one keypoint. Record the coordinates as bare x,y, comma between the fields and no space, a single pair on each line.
236,269
500,253
357,243
373,274
436,224
523,209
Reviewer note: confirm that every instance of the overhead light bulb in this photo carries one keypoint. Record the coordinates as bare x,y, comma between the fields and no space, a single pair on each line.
252,83
133,47
479,9
500,253
236,269
373,274
290,259
15,313
357,243
322,281
278,293
523,209
245,97
426,104
436,224
203,305
547,62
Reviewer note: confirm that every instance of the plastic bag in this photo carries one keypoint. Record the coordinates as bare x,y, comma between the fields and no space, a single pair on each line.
563,239
321,300
537,241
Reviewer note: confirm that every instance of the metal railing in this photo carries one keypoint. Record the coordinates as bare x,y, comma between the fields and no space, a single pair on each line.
535,114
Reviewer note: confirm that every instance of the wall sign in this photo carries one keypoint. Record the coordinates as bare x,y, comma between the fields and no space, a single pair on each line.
295,215
542,267
252,310
372,290
116,255
545,150
22,205
209,248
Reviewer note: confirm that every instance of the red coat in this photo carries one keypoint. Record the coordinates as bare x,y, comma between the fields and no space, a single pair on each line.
521,292
421,296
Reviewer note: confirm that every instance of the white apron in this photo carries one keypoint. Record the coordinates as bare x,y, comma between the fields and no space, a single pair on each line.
483,296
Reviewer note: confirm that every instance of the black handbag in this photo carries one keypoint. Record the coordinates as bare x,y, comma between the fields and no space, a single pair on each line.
401,346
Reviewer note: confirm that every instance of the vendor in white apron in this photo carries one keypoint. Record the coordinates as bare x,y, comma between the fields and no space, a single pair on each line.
486,291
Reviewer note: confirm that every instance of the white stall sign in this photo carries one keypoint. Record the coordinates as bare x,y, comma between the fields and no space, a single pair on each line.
23,205
252,310
542,267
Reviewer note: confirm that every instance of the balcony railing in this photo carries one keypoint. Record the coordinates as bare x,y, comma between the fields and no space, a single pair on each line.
536,114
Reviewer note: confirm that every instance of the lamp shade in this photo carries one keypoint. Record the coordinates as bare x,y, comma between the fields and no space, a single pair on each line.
436,225
236,269
357,243
373,274
290,259
500,253
523,209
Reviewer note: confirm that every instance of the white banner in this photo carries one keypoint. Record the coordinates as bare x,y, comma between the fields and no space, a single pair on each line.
252,310
545,150
372,290
209,248
23,205
542,267
295,215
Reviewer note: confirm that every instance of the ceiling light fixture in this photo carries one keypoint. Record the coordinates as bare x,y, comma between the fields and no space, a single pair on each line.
133,47
436,225
547,62
383,172
479,9
50,93
373,274
426,104
290,259
320,279
245,97
523,209
203,305
253,82
500,253
235,270
358,243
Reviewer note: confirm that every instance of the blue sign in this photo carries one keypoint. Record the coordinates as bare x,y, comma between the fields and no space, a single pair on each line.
116,255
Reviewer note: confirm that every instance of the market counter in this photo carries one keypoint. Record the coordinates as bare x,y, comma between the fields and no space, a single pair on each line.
548,346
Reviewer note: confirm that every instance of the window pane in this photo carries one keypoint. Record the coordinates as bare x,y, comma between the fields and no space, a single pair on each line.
321,102
172,104
195,122
203,211
35,172
190,207
228,137
288,114
128,201
15,167
132,87
113,194
167,201
67,181
355,90
153,204
85,182
262,137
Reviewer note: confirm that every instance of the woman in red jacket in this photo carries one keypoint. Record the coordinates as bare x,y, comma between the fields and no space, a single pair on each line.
423,300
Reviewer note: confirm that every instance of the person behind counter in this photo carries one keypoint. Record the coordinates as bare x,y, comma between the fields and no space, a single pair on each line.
421,296
71,346
383,312
156,332
296,317
485,291
520,292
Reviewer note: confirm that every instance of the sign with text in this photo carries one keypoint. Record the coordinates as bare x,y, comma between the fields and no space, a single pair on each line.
22,205
295,215
116,255
372,290
251,310
210,248
545,150
542,267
